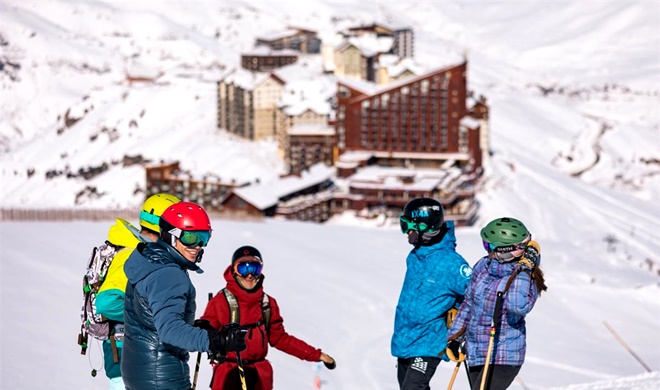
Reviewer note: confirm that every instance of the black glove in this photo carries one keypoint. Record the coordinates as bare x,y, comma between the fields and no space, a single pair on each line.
532,256
331,365
229,339
203,324
455,351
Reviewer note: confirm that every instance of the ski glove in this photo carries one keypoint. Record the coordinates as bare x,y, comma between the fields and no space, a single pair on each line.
203,324
455,351
451,314
230,339
329,365
532,256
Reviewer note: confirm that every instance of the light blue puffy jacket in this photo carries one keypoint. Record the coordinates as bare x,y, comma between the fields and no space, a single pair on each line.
435,281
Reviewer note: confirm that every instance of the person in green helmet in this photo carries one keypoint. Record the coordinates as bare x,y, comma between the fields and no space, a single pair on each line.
512,266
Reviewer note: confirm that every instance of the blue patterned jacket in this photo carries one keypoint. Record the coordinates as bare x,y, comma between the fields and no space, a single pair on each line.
476,313
435,281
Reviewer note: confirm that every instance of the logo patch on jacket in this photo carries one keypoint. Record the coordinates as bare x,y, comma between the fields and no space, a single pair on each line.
466,271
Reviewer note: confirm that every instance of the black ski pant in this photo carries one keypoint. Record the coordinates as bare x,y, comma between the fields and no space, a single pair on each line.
500,376
416,373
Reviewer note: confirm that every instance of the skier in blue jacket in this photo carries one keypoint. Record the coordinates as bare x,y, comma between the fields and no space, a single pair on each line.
435,281
159,306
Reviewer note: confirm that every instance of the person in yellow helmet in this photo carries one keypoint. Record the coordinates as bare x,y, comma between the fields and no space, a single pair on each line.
110,297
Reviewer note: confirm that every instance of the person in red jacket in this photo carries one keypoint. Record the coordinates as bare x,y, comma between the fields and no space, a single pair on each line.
244,282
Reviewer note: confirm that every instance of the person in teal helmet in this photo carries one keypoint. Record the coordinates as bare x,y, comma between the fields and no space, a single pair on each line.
434,284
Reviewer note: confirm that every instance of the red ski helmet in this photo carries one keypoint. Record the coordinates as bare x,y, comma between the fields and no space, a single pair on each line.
180,217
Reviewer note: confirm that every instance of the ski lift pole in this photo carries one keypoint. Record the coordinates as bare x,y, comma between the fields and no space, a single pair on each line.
493,330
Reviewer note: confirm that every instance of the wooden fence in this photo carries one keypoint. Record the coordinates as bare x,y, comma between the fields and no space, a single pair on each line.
38,215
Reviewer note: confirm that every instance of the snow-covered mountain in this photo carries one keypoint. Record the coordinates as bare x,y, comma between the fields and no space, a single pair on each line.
583,78
574,91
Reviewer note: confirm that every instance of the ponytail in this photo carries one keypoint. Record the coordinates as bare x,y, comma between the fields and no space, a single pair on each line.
539,280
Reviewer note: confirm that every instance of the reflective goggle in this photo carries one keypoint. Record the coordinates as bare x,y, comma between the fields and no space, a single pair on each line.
498,247
246,268
407,225
193,238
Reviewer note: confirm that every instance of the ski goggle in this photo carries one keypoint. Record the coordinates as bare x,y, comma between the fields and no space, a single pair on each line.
408,225
193,238
498,247
246,268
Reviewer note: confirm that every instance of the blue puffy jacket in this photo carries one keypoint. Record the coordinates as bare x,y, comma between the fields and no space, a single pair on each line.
435,281
159,310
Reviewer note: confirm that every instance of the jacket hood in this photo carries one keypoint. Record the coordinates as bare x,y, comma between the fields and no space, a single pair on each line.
122,233
152,256
240,293
448,242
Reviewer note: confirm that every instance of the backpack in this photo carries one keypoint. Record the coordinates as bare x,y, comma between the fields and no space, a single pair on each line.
97,268
234,313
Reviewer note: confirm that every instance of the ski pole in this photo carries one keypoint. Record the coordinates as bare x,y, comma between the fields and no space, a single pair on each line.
467,371
199,359
491,341
241,371
453,375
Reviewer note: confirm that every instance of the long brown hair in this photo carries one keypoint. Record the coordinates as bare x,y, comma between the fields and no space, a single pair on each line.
539,280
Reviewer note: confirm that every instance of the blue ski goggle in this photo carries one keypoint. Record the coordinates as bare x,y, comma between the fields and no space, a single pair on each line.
193,238
246,268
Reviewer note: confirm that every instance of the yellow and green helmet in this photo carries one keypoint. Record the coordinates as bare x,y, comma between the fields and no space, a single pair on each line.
153,208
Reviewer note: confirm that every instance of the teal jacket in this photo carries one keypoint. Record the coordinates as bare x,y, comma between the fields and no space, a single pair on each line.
435,281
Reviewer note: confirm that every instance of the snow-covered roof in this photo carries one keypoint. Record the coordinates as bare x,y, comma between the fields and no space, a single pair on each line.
311,130
263,50
248,80
275,35
368,45
299,108
469,122
399,68
375,177
265,195
355,156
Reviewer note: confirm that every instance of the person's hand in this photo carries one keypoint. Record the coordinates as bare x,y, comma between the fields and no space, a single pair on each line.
532,256
328,361
203,324
451,314
229,339
455,351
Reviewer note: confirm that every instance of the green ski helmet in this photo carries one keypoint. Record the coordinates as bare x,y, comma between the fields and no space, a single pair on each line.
504,236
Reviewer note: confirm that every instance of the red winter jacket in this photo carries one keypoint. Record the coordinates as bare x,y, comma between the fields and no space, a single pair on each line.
254,357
